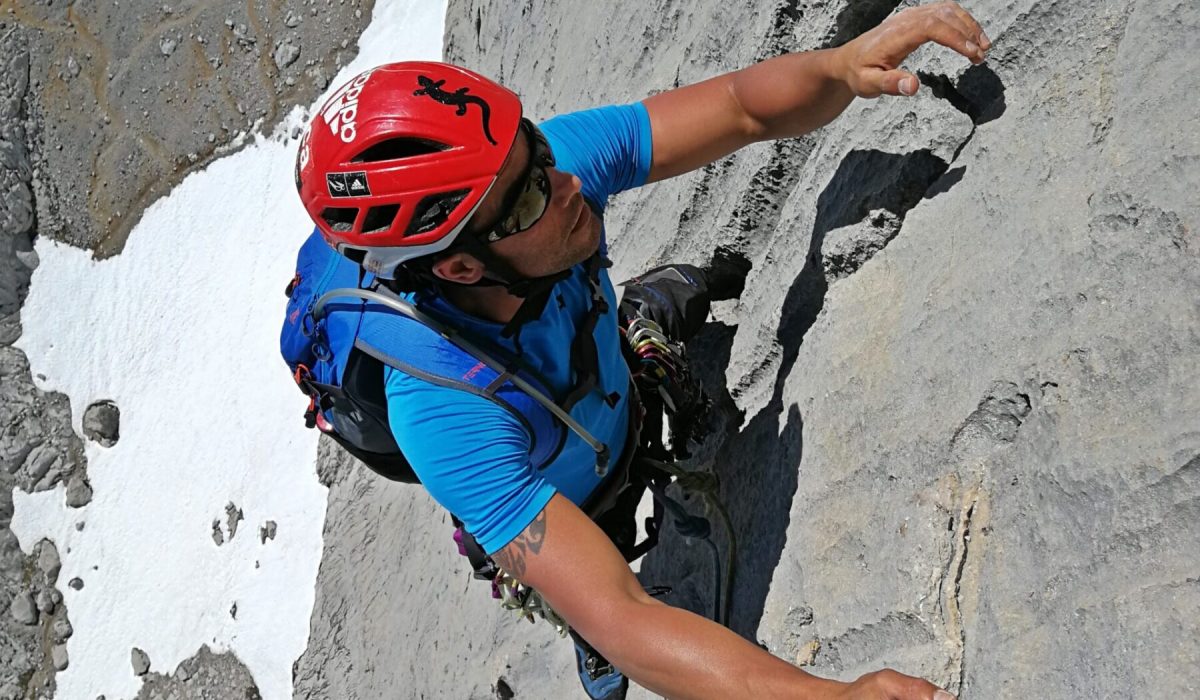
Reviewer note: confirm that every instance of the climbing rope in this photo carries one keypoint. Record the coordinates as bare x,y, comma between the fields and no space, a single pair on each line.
704,483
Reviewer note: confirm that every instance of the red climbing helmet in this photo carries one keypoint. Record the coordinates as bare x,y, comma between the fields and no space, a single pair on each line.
396,162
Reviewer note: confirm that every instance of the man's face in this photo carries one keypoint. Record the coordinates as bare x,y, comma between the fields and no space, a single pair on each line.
566,234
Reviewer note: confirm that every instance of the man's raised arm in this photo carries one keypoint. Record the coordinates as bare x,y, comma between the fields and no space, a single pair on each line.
797,93
573,565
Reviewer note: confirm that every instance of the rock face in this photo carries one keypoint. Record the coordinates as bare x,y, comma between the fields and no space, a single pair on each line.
202,677
129,97
103,108
958,395
32,638
38,449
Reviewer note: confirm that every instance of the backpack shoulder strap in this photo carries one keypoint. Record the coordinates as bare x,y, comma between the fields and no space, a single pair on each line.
465,366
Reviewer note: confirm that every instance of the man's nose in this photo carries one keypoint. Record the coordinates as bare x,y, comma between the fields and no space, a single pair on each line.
566,184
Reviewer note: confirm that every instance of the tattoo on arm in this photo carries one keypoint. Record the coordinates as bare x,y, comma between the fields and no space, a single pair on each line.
527,544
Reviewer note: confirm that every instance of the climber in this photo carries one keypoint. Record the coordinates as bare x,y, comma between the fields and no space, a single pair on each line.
442,198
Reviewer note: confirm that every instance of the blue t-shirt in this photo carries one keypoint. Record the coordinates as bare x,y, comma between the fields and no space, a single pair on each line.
472,455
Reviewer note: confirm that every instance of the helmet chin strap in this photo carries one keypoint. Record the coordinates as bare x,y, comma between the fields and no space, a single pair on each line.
535,291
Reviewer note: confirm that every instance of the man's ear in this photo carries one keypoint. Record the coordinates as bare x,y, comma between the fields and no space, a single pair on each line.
461,268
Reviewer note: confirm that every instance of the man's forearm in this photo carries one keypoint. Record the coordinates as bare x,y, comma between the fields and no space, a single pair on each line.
681,655
793,94
797,93
778,98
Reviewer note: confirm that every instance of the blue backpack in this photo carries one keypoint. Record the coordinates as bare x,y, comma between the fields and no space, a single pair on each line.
340,331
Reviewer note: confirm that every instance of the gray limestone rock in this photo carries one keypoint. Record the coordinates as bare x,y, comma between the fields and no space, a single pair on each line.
286,54
58,656
205,676
45,601
102,423
130,94
48,561
79,492
39,445
233,516
40,461
140,661
62,630
12,560
267,531
100,107
957,402
23,609
959,421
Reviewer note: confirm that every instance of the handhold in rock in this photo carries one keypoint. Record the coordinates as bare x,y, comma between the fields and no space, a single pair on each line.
76,584
79,492
23,610
141,662
101,422
799,617
503,690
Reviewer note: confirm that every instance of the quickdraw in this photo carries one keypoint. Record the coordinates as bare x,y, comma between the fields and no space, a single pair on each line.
526,602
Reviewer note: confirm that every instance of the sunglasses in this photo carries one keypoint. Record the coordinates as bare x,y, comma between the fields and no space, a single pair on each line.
526,203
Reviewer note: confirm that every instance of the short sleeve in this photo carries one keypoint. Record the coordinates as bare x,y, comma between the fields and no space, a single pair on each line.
471,454
608,148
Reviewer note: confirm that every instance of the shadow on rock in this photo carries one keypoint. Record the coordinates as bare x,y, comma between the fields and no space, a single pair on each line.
984,91
979,93
758,463
871,180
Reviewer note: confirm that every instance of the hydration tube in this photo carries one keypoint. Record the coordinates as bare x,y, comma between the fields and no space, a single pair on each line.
407,309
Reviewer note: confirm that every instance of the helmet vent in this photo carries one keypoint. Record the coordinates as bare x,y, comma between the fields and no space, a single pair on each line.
434,210
340,219
379,219
399,149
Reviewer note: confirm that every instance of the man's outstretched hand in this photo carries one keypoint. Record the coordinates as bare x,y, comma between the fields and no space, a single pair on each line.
870,64
892,685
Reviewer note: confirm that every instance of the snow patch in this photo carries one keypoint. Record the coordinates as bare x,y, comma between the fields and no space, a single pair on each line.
180,331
